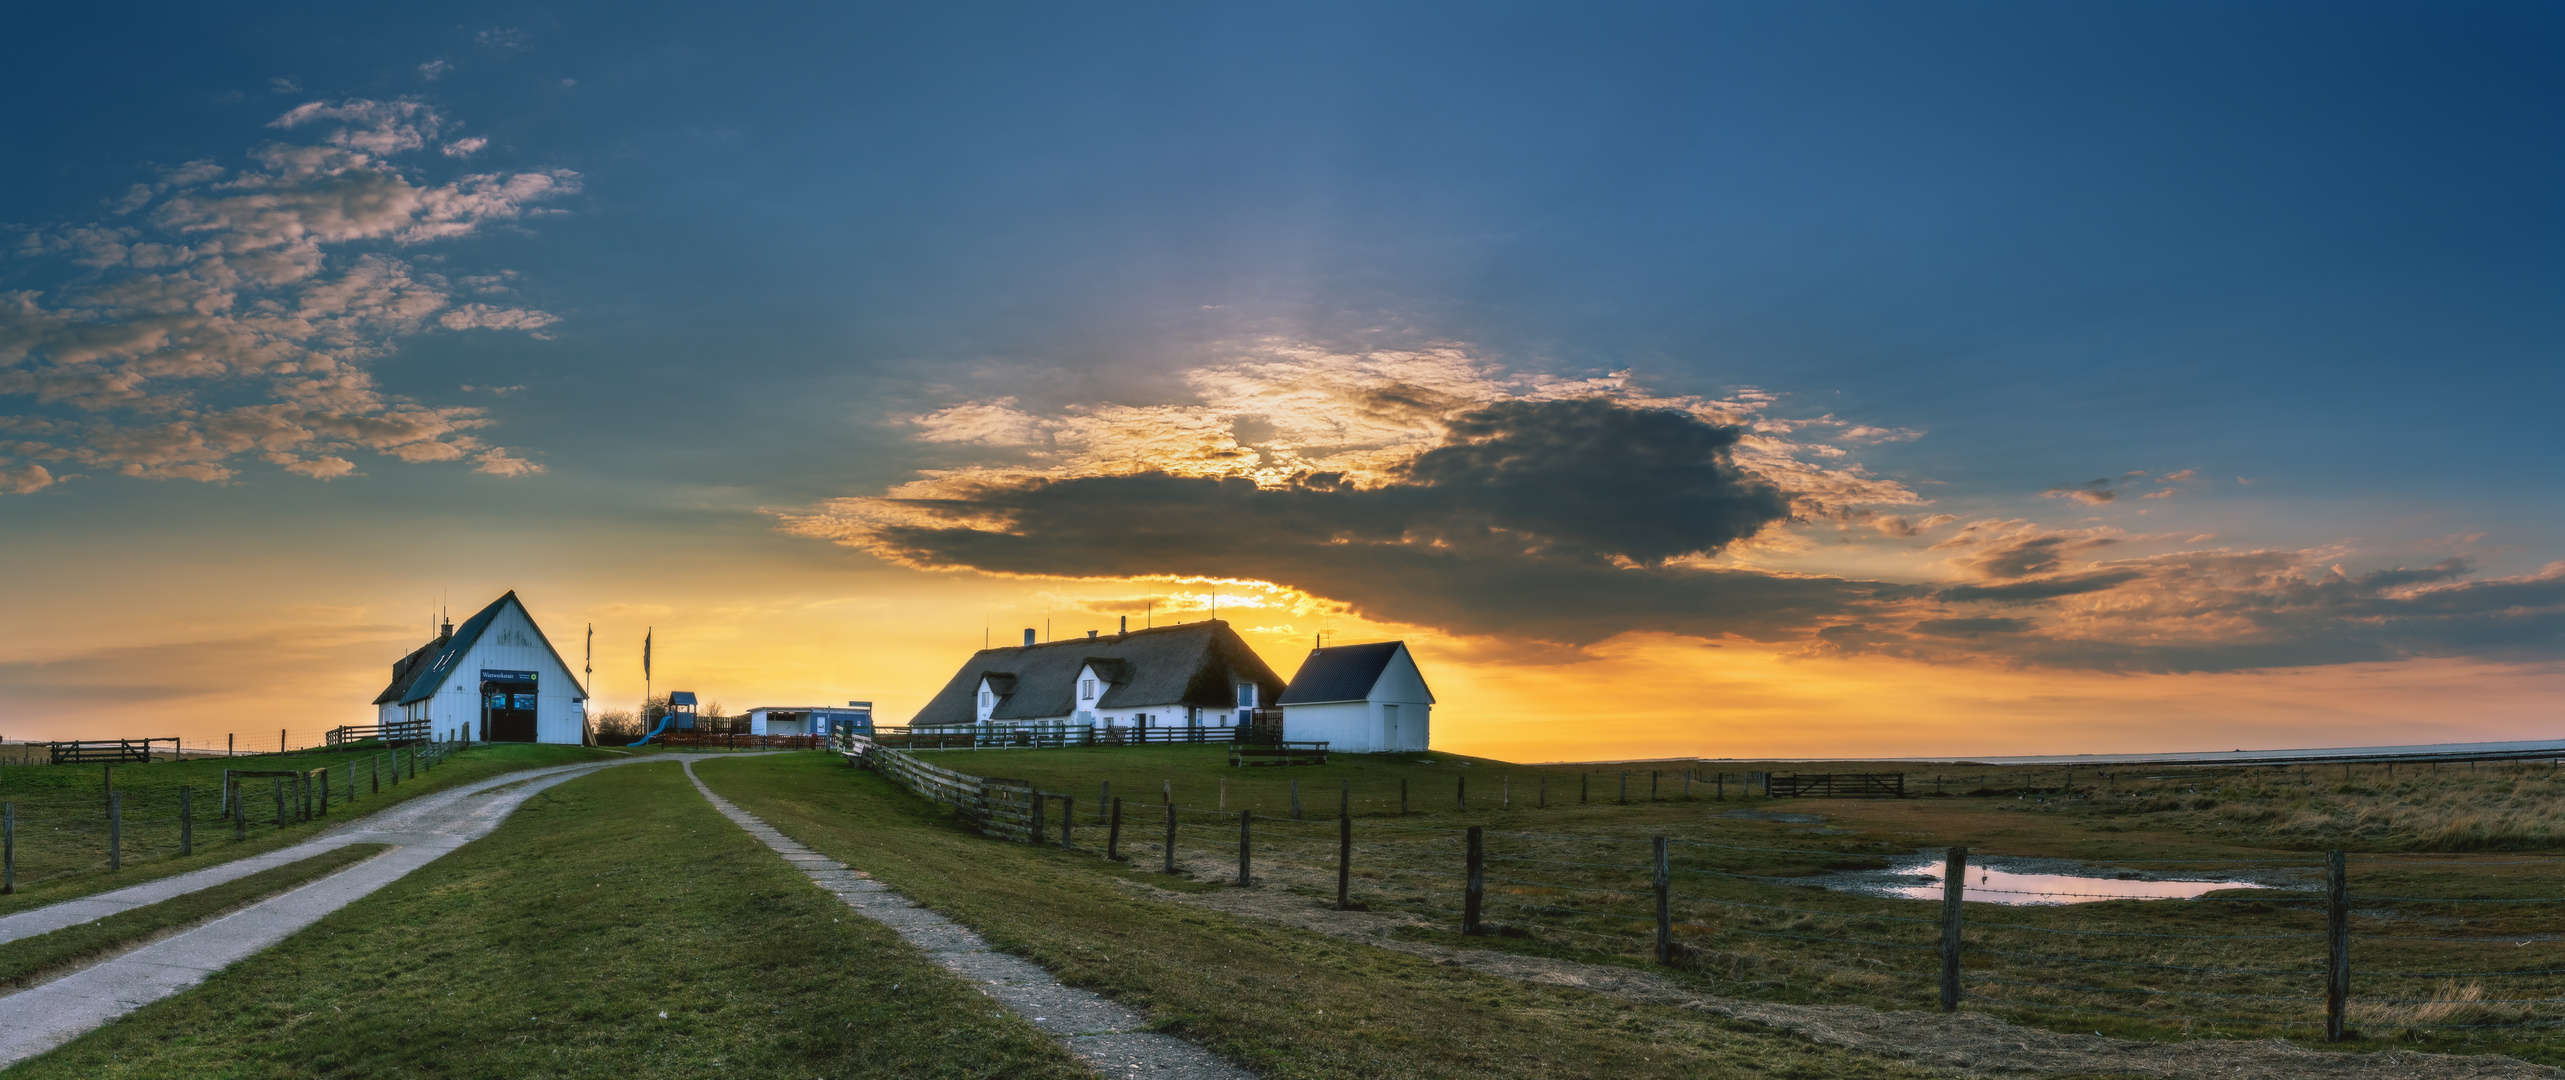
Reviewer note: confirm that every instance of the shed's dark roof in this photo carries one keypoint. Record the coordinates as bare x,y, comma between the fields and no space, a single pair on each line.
680,697
1342,673
429,676
406,670
1189,664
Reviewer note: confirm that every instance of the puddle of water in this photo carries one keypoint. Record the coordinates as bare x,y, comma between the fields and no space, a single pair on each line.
1991,885
1774,815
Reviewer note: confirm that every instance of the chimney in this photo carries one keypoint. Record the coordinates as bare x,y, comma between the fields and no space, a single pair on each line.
1090,635
1126,624
1028,637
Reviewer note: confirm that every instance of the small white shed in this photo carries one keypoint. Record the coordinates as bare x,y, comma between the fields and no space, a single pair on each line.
1359,699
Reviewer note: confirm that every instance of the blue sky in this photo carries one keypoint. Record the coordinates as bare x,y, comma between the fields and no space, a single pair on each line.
2314,247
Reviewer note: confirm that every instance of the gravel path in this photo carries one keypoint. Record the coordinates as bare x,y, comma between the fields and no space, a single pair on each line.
424,829
1113,1040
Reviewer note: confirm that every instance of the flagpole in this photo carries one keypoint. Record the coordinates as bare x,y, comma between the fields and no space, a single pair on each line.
645,679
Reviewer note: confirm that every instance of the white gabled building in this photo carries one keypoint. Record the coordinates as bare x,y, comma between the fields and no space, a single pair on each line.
496,678
1359,699
1193,676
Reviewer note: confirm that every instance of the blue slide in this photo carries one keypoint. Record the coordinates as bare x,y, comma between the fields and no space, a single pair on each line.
664,721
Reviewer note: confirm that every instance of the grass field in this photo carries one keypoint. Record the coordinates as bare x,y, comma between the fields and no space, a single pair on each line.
1285,1002
30,959
614,927
62,821
1572,880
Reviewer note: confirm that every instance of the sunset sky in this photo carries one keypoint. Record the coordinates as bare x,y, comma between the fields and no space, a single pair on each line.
1716,379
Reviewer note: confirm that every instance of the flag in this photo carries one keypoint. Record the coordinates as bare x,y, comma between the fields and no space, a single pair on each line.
645,652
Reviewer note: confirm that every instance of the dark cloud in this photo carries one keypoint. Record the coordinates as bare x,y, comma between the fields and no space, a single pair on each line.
1558,524
2090,493
1548,520
2027,592
1974,627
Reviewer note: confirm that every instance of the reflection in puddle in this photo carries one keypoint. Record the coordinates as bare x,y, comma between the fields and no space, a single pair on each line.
1989,885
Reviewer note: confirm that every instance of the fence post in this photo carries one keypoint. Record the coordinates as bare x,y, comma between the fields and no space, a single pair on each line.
1113,834
1954,886
186,823
2337,943
1103,801
1222,804
1034,835
374,772
1665,904
1345,800
1461,794
1171,837
1584,785
1068,813
1344,856
1477,887
414,763
1402,796
1687,785
1245,821
115,831
1720,790
8,848
1505,793
277,783
1167,792
1652,785
1295,798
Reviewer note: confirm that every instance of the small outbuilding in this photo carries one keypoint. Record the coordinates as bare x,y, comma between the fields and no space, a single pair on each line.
822,720
1359,699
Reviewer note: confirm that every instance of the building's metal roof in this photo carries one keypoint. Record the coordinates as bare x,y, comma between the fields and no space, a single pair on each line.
1341,673
1189,664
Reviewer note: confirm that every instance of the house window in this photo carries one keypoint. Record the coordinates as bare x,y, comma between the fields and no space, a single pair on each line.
987,699
1246,695
1086,689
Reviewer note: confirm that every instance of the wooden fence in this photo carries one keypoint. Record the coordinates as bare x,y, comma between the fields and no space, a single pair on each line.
998,806
1838,786
743,742
1052,736
405,731
107,750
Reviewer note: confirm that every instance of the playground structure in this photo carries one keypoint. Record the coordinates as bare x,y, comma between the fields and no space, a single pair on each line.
680,716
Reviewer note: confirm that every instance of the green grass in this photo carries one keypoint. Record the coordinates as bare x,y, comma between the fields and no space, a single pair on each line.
551,947
62,826
29,959
1587,896
1285,1002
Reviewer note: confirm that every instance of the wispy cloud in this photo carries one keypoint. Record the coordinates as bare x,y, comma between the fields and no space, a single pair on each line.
228,315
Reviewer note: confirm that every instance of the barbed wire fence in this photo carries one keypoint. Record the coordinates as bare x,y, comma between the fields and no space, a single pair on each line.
2308,955
68,834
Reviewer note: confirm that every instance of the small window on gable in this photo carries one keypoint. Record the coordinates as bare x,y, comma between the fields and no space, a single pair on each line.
1246,695
1086,689
987,699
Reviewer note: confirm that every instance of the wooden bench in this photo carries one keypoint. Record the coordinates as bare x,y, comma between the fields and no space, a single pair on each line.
1277,753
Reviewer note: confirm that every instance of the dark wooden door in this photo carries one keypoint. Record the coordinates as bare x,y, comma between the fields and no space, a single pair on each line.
510,708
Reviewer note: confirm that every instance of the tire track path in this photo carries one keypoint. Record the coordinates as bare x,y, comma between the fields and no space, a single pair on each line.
1113,1040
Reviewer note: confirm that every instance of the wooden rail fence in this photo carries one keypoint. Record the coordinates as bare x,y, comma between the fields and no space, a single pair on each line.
1838,786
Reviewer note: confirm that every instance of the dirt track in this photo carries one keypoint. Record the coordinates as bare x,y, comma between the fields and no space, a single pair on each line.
1961,1044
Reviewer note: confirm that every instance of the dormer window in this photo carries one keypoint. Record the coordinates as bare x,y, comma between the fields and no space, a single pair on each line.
987,699
1086,689
1246,695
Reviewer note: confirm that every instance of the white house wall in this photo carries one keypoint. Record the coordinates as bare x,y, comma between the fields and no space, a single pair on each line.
510,643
